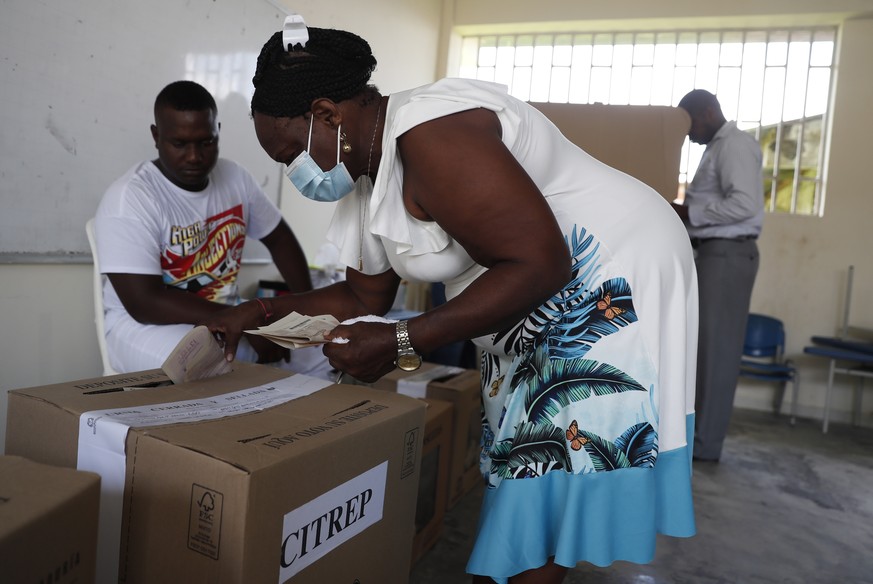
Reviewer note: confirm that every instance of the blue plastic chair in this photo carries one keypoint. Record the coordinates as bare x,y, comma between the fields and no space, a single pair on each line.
764,358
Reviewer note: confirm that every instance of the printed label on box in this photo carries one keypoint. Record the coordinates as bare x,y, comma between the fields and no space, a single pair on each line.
316,528
204,523
408,466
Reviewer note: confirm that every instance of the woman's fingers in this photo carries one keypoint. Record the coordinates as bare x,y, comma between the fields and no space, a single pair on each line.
369,352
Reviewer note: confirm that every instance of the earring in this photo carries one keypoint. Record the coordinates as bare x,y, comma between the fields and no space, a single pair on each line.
346,146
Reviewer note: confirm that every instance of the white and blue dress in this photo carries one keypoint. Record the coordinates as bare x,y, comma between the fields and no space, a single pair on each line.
588,402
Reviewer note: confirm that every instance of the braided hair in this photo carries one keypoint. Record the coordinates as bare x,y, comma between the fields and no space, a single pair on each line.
334,64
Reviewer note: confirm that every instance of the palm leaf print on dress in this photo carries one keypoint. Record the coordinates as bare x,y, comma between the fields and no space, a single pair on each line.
561,382
602,313
584,251
640,444
580,314
636,447
533,451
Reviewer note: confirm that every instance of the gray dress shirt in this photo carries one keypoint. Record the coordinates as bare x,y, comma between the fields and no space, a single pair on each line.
726,197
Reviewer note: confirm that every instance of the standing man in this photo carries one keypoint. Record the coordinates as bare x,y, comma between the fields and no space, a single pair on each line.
723,212
170,234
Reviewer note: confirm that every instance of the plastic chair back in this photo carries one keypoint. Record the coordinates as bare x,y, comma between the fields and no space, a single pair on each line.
763,358
98,300
765,337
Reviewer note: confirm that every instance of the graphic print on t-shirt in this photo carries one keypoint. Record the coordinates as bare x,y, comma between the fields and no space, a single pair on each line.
204,257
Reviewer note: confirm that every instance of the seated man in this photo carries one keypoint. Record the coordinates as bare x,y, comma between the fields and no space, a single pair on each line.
170,236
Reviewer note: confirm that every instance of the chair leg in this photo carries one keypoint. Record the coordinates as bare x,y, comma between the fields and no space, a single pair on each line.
795,390
827,406
780,397
856,401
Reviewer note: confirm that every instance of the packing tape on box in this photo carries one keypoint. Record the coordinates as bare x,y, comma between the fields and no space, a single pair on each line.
416,385
103,434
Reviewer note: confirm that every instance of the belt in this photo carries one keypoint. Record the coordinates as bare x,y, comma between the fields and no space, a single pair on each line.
697,241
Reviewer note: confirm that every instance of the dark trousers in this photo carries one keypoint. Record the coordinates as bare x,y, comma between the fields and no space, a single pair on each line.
726,272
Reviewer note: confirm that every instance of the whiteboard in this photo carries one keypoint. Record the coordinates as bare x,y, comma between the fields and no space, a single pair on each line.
79,80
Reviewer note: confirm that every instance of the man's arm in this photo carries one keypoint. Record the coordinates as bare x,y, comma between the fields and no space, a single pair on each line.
681,210
288,257
357,295
740,183
149,301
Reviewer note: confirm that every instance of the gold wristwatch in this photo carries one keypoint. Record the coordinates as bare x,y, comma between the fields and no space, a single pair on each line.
407,358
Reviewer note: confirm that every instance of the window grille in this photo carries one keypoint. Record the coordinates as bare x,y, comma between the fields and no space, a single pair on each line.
776,84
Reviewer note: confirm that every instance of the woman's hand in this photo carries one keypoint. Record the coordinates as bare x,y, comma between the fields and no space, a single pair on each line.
370,352
227,326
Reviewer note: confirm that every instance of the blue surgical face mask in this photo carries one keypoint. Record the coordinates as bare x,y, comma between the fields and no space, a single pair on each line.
312,182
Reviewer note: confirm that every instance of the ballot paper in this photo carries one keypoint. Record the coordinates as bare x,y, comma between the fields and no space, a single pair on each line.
298,330
197,356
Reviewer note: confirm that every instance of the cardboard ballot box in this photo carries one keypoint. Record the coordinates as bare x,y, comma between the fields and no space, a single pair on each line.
461,388
251,477
642,141
430,509
48,523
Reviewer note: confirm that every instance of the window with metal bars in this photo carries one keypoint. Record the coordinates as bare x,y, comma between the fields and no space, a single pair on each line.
776,84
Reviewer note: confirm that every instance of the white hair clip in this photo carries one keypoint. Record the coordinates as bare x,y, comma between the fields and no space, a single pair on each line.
294,32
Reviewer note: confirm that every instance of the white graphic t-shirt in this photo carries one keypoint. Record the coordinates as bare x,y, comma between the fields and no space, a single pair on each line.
194,240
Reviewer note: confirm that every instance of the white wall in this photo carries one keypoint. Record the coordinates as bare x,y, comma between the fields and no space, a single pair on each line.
665,13
46,311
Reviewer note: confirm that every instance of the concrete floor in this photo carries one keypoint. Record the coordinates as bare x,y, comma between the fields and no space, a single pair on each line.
784,505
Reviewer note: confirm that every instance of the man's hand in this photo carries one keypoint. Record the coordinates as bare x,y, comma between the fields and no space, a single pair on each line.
228,325
681,210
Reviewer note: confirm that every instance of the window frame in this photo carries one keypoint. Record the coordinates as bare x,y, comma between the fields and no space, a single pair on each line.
784,131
